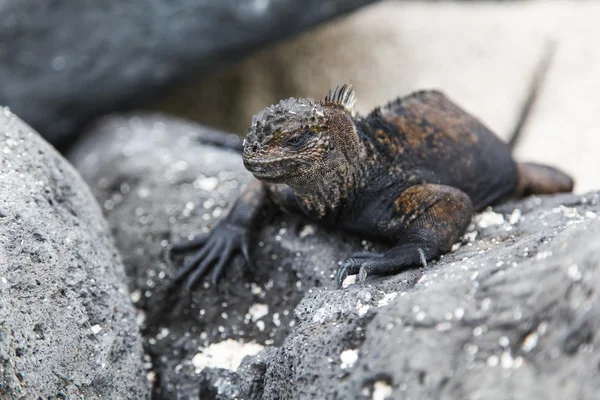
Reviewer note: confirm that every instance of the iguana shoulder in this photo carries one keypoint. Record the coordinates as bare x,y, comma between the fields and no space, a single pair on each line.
429,139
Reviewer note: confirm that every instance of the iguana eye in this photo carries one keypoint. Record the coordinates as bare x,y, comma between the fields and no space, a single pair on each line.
297,141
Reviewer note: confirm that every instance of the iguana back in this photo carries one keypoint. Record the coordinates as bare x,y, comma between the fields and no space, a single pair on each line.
426,138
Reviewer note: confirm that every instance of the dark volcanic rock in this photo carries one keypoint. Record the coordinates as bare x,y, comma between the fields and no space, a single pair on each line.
67,327
158,183
64,62
512,312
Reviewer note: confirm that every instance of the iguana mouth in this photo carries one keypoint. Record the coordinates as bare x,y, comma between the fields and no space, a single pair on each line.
271,169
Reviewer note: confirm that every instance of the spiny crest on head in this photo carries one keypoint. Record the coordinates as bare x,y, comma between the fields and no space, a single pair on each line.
288,114
342,96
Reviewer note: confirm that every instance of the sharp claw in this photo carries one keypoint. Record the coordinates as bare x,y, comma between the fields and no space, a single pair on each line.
246,250
202,268
188,266
166,254
216,274
341,275
218,268
362,274
190,282
194,277
422,257
215,249
350,267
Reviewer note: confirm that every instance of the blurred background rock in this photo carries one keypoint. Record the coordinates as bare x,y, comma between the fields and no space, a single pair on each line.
63,62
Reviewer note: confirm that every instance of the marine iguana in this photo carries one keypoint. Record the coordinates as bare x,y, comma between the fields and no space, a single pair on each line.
411,173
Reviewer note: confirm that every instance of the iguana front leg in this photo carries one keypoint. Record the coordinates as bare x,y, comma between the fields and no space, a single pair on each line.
230,235
429,218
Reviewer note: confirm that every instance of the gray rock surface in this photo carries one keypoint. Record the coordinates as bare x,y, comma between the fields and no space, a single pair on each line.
67,326
513,316
64,62
512,312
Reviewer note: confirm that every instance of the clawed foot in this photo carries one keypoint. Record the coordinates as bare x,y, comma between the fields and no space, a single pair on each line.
214,250
366,263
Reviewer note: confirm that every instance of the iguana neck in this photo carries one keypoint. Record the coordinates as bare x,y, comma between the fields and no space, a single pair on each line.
340,178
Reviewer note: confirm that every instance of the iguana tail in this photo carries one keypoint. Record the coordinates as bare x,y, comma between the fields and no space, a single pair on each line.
541,179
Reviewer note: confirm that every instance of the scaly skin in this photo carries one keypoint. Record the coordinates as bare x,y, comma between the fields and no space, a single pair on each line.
411,173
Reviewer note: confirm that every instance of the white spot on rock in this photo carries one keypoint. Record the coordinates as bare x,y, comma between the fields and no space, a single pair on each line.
151,377
96,329
135,296
478,331
506,360
493,361
255,289
459,313
226,354
164,332
350,280
489,218
543,254
518,362
320,315
306,230
574,273
387,298
362,308
143,192
470,236
515,216
257,311
208,183
590,214
381,390
349,357
530,342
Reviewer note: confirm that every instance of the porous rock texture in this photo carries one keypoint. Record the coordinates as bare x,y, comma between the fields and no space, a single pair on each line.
511,312
64,62
67,326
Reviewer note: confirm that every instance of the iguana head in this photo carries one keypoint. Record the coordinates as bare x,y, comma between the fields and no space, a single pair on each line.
302,140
